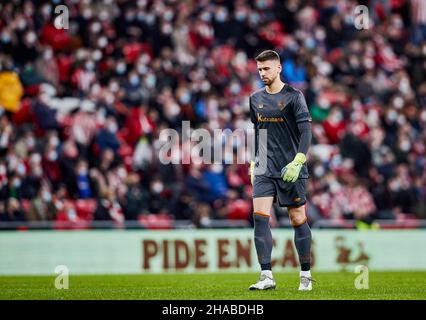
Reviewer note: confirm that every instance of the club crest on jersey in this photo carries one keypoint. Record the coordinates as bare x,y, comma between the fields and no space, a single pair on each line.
281,105
261,106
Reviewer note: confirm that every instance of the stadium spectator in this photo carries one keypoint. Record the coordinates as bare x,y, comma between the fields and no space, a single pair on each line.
11,91
12,211
42,207
418,13
108,209
83,180
135,200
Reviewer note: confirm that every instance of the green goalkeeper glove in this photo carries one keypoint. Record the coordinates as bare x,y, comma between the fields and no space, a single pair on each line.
252,172
291,171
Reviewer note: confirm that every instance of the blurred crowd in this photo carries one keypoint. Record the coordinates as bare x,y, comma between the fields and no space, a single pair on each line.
82,108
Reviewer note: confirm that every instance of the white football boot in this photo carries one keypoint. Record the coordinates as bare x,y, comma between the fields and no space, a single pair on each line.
305,281
266,282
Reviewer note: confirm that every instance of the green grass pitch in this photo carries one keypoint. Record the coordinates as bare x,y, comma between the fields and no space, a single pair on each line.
215,286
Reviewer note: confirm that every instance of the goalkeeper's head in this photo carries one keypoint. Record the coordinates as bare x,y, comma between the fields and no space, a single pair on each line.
269,66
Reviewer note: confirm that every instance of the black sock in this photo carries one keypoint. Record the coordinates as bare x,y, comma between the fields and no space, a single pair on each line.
263,240
302,240
266,266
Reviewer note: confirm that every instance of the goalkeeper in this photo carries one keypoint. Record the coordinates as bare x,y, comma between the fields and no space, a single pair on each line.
278,171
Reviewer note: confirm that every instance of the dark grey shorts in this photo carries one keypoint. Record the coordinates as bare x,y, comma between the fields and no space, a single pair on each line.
285,193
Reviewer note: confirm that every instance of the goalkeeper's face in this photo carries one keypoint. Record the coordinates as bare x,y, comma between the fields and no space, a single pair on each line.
269,71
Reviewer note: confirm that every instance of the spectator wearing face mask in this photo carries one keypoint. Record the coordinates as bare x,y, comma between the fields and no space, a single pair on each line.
13,189
99,173
334,126
136,199
216,179
196,184
67,162
184,207
294,72
42,207
133,90
33,178
13,211
203,216
138,124
50,165
107,136
353,147
83,180
108,208
44,115
160,199
402,190
84,127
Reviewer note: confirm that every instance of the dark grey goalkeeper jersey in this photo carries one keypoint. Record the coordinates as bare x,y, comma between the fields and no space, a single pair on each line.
279,113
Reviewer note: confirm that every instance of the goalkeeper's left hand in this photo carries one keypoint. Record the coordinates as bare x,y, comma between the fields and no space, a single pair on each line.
290,173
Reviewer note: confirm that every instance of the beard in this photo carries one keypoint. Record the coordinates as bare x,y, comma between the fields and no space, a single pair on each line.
267,81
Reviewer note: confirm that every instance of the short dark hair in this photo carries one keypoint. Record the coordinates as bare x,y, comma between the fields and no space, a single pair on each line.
267,55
